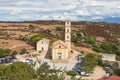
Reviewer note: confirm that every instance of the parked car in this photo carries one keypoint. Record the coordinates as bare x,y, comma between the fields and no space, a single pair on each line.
7,60
27,52
77,66
79,63
2,61
77,69
84,73
107,68
79,58
28,61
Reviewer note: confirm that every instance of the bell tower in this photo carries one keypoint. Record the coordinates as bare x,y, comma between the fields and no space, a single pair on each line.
68,34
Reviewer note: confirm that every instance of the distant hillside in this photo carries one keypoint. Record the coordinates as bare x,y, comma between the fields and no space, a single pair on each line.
109,31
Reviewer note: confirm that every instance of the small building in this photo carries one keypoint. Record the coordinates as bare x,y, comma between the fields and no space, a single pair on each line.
59,51
109,57
43,45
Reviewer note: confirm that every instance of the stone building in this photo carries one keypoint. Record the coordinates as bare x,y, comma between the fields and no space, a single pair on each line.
61,49
109,57
43,45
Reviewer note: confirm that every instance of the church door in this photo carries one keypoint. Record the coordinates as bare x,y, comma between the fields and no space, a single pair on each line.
59,56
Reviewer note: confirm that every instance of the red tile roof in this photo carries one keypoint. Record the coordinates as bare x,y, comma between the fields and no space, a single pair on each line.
110,78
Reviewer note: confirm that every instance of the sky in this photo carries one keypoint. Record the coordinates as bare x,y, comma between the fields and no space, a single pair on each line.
76,10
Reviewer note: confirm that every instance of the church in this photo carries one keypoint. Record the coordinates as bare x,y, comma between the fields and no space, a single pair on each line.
60,50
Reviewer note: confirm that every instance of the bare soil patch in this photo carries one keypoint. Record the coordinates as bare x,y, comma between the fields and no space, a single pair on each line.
15,44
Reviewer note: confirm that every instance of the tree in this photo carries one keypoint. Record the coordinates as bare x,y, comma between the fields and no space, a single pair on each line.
2,53
108,48
58,29
48,31
97,49
75,39
23,50
36,38
14,52
44,73
117,71
72,74
89,62
90,40
16,71
31,26
7,51
22,71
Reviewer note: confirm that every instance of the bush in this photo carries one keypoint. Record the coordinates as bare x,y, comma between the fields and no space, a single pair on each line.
90,40
22,71
2,53
75,39
14,52
99,61
58,29
71,73
89,62
23,50
109,48
35,38
7,51
117,71
31,26
97,49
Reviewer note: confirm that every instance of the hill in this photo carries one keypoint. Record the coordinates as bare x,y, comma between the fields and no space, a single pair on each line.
84,34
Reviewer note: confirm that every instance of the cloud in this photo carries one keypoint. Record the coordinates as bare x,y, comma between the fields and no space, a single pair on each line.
58,9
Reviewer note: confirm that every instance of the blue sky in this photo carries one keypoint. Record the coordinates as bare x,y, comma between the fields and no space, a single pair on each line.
78,10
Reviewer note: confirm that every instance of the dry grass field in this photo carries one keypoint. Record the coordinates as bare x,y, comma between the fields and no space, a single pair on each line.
15,44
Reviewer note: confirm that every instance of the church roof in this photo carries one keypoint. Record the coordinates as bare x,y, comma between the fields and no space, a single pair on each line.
59,42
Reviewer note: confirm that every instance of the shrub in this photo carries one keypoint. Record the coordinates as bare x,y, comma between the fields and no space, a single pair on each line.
58,29
31,26
97,49
36,38
2,53
90,40
117,71
89,62
23,50
71,73
14,52
7,51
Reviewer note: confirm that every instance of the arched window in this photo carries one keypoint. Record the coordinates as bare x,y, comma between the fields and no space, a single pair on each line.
67,30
